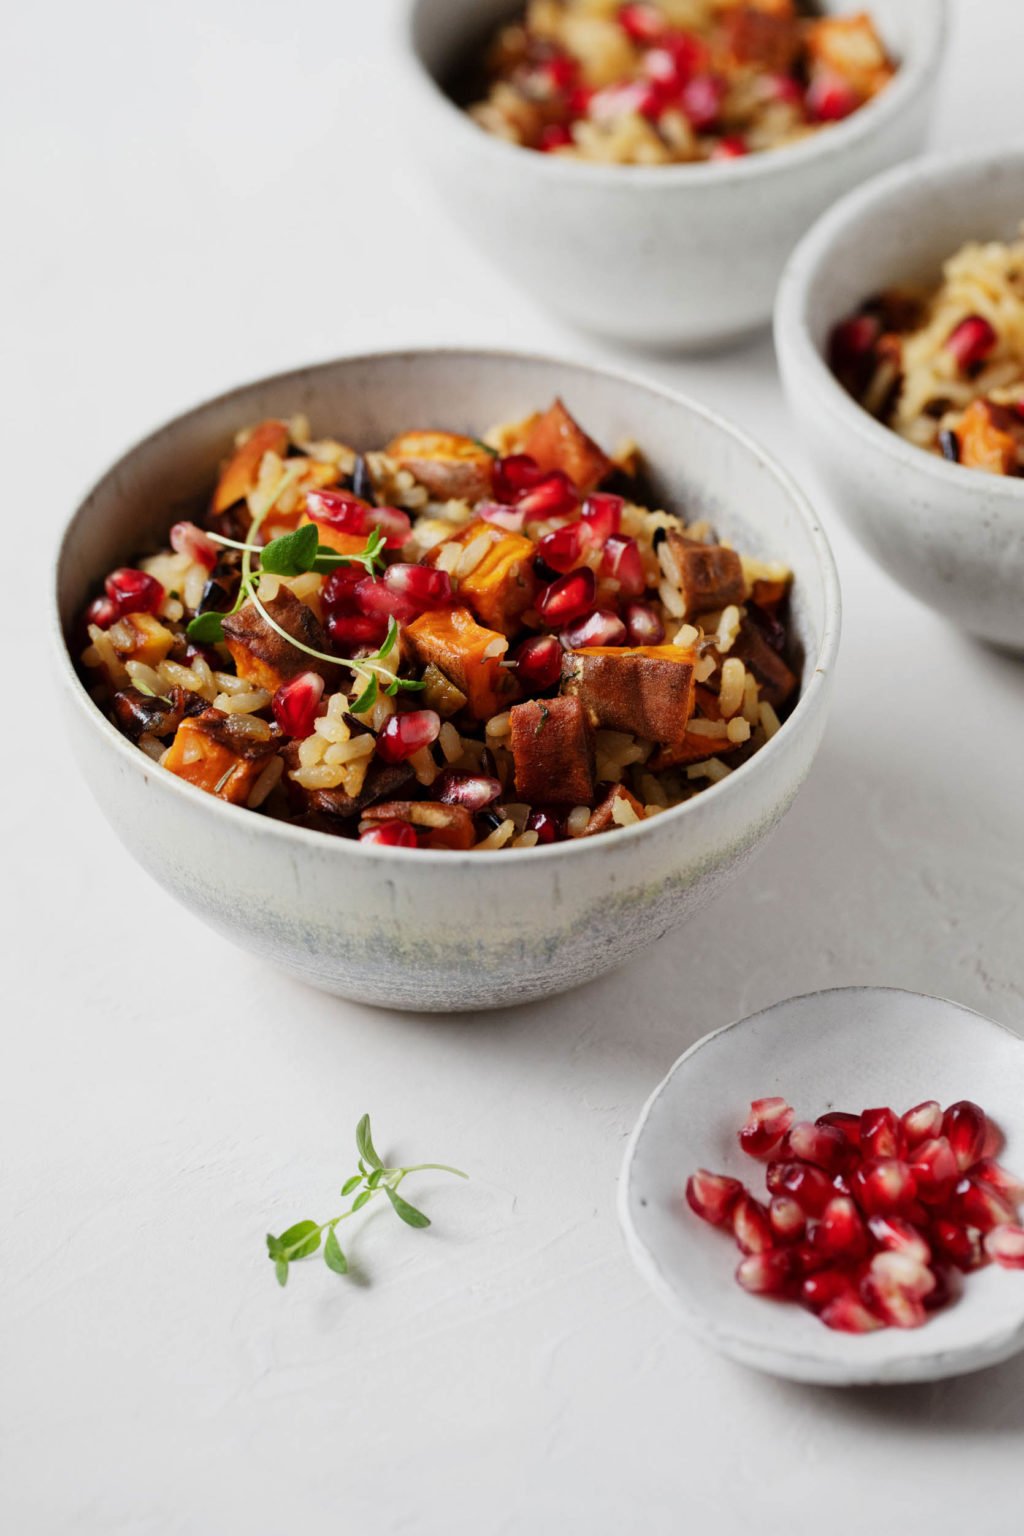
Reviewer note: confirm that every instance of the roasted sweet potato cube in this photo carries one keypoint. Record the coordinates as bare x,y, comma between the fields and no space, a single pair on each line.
990,438
442,826
452,468
694,748
849,46
556,441
776,681
768,38
709,576
553,752
469,655
141,637
618,809
502,585
335,538
647,689
239,475
263,657
213,755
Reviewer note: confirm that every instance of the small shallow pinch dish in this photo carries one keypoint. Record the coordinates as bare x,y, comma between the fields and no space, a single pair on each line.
665,256
849,1049
953,537
426,929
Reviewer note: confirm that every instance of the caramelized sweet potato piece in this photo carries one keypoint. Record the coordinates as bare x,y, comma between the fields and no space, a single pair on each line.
553,752
693,748
850,47
768,38
210,752
140,714
990,438
238,476
647,689
502,585
556,441
709,576
618,809
446,826
263,657
456,644
452,468
776,681
141,637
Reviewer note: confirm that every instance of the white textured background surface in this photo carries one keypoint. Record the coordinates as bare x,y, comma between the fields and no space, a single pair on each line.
194,195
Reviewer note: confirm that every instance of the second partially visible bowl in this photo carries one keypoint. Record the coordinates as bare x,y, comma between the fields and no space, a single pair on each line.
954,537
662,256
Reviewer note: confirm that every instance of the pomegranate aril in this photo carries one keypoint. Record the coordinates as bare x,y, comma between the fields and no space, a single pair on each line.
751,1226
852,344
622,562
103,611
943,1290
421,585
473,790
971,341
838,1120
1005,1244
788,1219
841,1231
390,834
569,597
922,1123
988,1171
559,71
895,1304
513,475
554,136
960,1245
828,1285
643,624
848,1314
781,88
550,497
899,1236
893,1271
345,513
539,662
935,1169
767,1123
598,628
563,549
809,1186
701,100
296,702
881,1134
338,591
376,598
641,23
188,539
134,591
733,147
883,1187
766,1274
822,1145
809,1260
353,630
712,1196
977,1204
602,514
829,98
511,519
547,826
965,1127
402,736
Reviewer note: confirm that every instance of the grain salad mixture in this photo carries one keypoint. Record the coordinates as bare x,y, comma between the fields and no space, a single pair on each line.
450,643
945,369
673,82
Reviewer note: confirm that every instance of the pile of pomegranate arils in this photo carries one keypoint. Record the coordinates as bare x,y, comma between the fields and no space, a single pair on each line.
869,1215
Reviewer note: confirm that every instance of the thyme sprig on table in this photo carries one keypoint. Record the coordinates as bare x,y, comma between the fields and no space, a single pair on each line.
293,554
373,1178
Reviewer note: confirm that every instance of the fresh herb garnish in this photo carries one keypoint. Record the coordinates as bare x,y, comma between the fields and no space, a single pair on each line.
150,693
374,1178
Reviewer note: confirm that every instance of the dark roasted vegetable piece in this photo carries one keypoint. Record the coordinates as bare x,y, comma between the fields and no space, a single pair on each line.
262,657
140,714
553,752
777,682
771,41
603,815
381,779
212,752
647,690
709,576
556,441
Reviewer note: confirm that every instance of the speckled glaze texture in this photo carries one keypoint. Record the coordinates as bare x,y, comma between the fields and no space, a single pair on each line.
660,256
845,1049
447,931
953,537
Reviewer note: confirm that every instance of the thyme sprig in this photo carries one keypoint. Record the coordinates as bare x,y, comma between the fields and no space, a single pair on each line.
373,1178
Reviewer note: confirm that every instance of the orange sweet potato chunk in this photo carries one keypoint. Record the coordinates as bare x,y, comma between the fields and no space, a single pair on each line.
200,755
265,659
239,474
987,440
453,468
553,752
556,441
647,690
502,585
456,644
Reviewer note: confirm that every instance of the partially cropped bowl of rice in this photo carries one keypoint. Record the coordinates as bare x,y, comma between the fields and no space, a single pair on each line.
900,334
644,170
390,761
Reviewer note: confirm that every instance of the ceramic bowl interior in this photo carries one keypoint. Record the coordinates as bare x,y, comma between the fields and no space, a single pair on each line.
848,1049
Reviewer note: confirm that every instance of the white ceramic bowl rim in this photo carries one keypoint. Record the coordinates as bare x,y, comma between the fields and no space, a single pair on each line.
648,1261
812,255
451,859
913,77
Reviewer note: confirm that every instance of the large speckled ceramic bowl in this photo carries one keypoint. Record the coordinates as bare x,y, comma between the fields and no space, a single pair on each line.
677,256
954,537
433,930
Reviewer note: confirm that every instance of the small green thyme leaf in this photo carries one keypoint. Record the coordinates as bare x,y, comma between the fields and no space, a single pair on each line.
373,1182
281,1271
409,1214
367,699
351,1184
293,553
390,640
333,1256
486,447
361,1199
207,628
300,1240
364,1138
142,687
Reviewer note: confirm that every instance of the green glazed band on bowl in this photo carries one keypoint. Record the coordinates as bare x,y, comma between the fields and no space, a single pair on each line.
443,931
